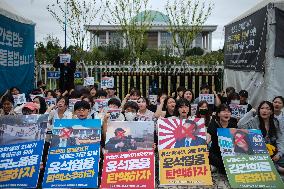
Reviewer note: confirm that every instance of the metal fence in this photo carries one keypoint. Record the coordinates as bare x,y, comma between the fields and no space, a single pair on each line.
141,75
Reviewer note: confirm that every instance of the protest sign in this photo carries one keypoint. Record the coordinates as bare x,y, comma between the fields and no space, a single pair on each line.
153,99
114,113
107,82
21,148
19,99
65,58
135,169
209,98
100,105
238,111
89,81
124,136
72,102
193,109
246,160
183,152
73,160
50,101
33,96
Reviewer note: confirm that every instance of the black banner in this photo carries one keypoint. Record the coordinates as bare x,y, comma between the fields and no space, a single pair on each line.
279,41
245,43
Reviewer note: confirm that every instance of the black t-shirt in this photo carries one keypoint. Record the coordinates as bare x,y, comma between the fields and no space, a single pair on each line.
212,130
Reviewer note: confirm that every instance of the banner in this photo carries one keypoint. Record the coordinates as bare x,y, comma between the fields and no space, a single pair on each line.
135,169
246,160
73,160
238,111
209,98
21,147
16,55
279,34
107,82
183,152
245,42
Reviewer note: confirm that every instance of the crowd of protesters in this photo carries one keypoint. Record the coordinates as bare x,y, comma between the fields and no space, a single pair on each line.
268,116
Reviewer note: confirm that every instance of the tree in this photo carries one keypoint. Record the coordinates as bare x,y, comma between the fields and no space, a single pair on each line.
133,20
78,14
186,18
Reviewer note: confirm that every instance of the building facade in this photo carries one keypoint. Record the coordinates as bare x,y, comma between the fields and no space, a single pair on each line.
158,35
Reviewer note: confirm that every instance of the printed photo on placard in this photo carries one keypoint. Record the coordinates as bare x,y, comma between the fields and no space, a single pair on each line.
21,146
193,109
100,105
177,133
20,128
241,141
124,136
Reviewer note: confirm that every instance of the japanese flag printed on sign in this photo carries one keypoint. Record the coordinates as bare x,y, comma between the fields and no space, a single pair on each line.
107,82
209,98
183,152
19,99
89,81
65,58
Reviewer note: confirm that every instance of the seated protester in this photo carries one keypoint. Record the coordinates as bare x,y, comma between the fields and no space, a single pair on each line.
60,111
82,110
7,105
101,94
93,90
188,95
111,93
179,93
134,95
243,99
166,108
50,94
88,99
130,111
223,120
14,91
30,108
205,89
278,104
182,109
144,114
269,126
203,112
226,95
42,104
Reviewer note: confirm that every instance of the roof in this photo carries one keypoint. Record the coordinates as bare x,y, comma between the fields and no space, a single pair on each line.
11,13
156,17
257,7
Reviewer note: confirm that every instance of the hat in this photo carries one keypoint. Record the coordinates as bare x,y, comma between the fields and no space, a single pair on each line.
119,129
32,106
243,93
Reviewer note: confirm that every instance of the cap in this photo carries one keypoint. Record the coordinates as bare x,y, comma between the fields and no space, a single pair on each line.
243,93
32,106
119,129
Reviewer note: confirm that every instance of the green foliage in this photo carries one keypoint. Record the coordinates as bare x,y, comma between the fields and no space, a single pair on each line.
194,51
209,58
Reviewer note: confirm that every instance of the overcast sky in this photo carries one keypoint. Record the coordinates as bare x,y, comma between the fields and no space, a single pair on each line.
35,10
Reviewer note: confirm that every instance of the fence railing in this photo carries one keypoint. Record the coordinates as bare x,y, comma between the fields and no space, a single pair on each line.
141,75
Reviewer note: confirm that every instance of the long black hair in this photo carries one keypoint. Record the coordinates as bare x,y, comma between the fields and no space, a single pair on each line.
43,107
272,127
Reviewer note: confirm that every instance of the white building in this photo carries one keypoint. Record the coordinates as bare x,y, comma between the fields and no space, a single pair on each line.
158,36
